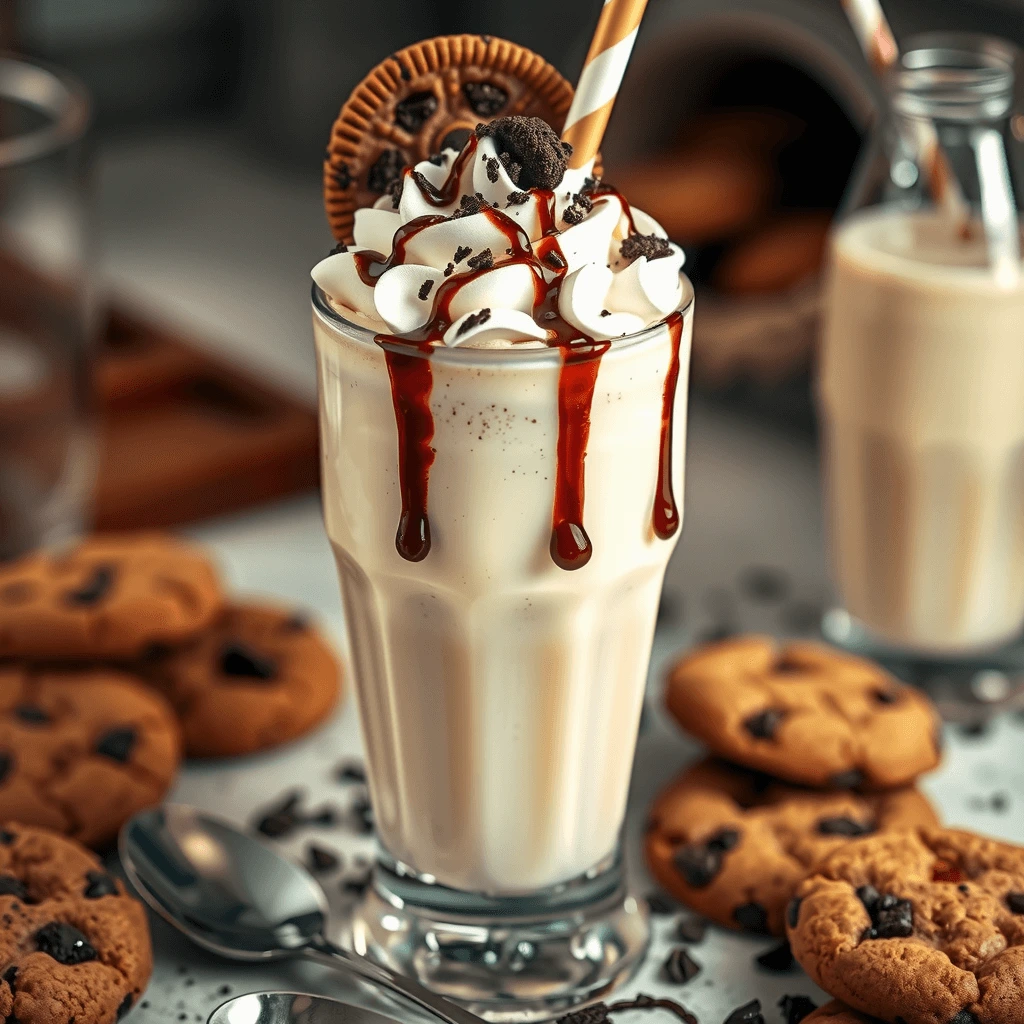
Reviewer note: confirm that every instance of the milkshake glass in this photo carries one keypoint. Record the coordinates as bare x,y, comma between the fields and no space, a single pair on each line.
920,385
500,692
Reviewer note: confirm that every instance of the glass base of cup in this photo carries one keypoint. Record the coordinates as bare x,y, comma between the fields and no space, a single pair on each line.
960,682
521,958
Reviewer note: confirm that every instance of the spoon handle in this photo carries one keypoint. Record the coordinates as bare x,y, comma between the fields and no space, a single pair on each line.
325,952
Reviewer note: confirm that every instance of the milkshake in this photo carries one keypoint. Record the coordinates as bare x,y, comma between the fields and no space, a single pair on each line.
922,373
502,361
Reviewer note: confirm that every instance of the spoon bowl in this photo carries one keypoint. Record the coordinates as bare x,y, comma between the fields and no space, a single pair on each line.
293,1008
237,898
229,892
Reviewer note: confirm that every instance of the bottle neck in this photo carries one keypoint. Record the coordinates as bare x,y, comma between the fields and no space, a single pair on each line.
955,79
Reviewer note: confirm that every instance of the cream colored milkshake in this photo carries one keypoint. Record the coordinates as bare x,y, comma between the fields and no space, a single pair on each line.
502,478
500,694
922,402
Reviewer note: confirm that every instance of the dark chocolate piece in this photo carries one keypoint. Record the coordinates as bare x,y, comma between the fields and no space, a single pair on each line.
415,110
117,744
64,943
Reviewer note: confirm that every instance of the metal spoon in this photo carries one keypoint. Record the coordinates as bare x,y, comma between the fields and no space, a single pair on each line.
239,899
293,1008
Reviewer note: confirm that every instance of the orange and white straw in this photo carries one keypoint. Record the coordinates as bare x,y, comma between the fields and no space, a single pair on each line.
601,77
882,51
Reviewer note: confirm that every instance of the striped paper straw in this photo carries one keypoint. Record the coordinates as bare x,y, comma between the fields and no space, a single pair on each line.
600,79
882,52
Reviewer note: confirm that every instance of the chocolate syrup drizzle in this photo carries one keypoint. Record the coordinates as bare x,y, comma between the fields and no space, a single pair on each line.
412,377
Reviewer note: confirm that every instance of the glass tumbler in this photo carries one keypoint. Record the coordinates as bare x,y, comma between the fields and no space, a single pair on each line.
502,520
46,309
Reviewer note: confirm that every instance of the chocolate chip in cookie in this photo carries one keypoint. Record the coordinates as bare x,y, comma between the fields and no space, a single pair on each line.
237,659
764,724
65,943
700,862
891,917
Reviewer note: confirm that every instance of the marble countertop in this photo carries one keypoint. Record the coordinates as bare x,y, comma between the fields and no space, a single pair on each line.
235,244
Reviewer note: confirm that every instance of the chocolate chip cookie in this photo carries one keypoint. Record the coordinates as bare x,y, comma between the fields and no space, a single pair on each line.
259,677
734,844
836,1013
74,949
806,713
918,927
425,98
107,598
82,750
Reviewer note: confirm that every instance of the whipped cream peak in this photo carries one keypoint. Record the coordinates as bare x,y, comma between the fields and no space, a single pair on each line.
550,252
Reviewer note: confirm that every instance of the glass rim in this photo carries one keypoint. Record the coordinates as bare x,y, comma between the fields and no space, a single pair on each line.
56,95
366,336
959,76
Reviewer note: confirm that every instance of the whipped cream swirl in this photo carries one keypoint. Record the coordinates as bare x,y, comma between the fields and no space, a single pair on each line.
462,254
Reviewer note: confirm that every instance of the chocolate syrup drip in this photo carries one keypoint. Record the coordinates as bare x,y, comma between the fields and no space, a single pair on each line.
570,545
411,375
448,193
666,513
412,378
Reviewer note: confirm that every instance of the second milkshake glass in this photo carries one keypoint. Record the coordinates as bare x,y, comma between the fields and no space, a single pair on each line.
500,693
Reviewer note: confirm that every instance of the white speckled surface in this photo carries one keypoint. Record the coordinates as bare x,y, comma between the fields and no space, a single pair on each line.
235,245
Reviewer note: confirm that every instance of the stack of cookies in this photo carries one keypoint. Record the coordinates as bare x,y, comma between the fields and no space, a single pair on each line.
807,823
120,653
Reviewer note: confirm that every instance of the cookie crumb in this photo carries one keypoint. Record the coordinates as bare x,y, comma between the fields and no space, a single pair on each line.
691,929
483,260
795,1008
604,312
654,247
748,1013
484,98
529,149
778,958
425,289
449,270
461,253
517,198
320,860
414,111
481,316
385,169
492,167
680,967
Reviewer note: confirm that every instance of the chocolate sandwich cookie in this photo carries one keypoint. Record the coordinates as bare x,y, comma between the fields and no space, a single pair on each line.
259,677
82,750
107,598
734,844
918,927
426,98
74,949
805,713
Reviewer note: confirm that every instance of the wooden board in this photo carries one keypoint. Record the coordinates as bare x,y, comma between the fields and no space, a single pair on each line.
184,436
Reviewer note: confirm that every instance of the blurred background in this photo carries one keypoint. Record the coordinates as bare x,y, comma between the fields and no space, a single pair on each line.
738,126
